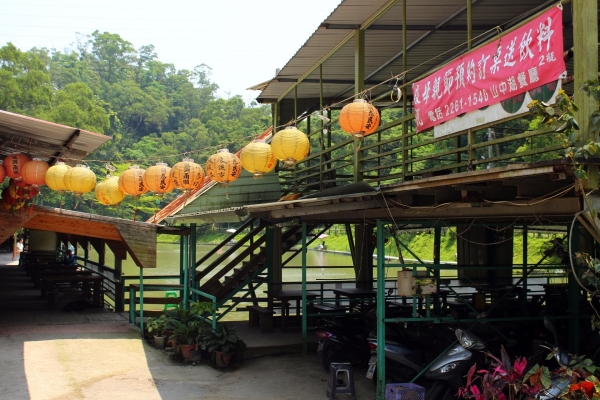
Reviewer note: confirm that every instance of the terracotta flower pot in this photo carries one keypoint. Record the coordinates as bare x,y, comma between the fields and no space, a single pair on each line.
185,350
223,359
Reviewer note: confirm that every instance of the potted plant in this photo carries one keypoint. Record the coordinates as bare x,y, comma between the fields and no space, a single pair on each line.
157,326
224,343
186,335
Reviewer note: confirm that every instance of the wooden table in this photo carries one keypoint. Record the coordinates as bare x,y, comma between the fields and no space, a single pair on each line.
285,296
356,296
39,276
90,285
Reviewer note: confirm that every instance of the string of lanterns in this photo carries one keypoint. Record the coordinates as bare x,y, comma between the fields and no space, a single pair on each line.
290,145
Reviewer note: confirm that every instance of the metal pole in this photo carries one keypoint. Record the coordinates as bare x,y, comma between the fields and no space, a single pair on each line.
525,270
304,307
193,260
186,270
404,97
380,313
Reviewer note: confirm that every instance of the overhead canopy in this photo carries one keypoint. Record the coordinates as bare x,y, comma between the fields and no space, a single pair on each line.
436,33
122,236
527,192
45,140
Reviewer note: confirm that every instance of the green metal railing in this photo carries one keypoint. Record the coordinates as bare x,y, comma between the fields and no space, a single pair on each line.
392,156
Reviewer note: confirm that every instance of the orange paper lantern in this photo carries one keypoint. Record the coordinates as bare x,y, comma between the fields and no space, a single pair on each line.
2,173
187,175
131,181
223,167
34,172
359,118
13,165
157,179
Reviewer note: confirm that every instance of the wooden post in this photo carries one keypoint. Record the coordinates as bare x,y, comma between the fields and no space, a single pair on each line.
585,49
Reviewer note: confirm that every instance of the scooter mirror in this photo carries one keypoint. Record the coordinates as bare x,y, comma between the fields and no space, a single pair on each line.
550,326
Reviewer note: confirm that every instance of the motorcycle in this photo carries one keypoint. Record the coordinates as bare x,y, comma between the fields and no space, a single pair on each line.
343,340
404,355
448,371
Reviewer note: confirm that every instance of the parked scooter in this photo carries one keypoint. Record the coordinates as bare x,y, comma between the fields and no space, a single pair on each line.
343,340
404,356
449,369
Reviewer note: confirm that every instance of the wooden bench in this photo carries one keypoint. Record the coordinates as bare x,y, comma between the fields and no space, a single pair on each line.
328,308
260,316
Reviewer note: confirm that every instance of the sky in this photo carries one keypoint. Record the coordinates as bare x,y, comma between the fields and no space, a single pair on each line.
242,41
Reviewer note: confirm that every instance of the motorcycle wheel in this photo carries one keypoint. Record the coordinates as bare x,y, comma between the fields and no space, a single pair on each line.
439,391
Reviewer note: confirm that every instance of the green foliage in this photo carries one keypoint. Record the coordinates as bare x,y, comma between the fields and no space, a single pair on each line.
151,110
157,324
223,339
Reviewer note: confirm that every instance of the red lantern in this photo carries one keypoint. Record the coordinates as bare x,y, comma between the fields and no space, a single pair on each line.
2,173
13,165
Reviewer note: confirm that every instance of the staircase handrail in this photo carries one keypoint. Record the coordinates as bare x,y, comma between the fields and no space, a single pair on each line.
223,257
222,244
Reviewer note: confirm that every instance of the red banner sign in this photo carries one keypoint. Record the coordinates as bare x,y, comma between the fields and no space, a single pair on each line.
523,59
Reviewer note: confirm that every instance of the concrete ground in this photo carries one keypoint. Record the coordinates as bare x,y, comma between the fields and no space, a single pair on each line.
95,354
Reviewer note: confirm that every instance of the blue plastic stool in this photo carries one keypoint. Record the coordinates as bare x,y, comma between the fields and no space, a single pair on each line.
170,295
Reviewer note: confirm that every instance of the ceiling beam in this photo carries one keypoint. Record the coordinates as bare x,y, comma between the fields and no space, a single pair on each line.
452,28
66,146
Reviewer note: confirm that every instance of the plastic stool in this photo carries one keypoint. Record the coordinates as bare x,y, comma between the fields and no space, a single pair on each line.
333,388
170,295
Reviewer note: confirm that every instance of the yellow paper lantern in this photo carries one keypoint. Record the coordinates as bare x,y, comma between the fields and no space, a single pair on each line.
131,181
80,179
223,167
290,145
55,176
187,175
34,172
257,158
13,165
359,118
108,193
157,179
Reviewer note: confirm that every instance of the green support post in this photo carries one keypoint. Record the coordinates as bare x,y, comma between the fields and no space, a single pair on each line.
186,269
193,260
404,97
181,252
141,300
525,271
380,313
304,307
359,85
269,260
437,232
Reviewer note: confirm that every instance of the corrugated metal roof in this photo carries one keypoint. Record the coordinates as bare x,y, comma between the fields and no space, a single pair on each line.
46,140
435,28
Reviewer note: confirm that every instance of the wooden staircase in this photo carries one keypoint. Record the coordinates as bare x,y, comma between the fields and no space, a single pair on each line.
231,273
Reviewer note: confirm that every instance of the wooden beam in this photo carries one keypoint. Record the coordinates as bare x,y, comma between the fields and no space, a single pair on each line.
118,248
141,243
72,226
10,223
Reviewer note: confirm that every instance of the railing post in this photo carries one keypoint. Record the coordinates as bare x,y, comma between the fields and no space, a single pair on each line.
186,269
192,262
142,300
380,313
304,305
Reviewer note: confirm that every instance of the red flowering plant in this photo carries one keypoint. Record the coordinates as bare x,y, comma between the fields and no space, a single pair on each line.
506,380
